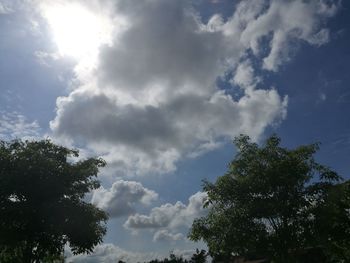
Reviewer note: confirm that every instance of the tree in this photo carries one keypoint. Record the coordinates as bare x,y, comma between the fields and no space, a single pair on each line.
276,203
42,205
199,256
172,259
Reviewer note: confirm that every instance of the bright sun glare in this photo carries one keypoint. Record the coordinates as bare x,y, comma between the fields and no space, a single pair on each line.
77,31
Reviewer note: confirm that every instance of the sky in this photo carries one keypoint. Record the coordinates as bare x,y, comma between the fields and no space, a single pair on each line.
160,88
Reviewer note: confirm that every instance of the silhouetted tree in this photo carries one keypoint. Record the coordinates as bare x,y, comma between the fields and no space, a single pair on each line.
172,259
199,256
41,202
276,203
175,259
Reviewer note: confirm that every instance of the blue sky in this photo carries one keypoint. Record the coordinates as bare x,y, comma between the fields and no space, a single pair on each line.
160,88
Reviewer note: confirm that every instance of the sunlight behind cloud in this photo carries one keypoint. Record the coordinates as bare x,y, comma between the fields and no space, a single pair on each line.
76,31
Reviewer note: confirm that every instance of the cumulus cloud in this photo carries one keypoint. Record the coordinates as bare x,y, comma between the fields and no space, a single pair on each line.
284,22
152,97
165,235
14,125
168,218
244,76
122,197
110,253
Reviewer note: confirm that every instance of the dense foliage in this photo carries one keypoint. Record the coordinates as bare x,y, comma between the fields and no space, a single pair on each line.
278,204
41,202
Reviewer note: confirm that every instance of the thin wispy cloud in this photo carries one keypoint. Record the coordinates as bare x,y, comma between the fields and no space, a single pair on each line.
14,125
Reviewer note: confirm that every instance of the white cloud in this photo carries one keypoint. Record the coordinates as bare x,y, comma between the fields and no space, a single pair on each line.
164,235
152,98
169,217
122,197
14,125
152,138
245,76
110,253
4,8
287,22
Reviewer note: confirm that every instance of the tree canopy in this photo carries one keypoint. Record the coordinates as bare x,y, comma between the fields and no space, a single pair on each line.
278,204
42,205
